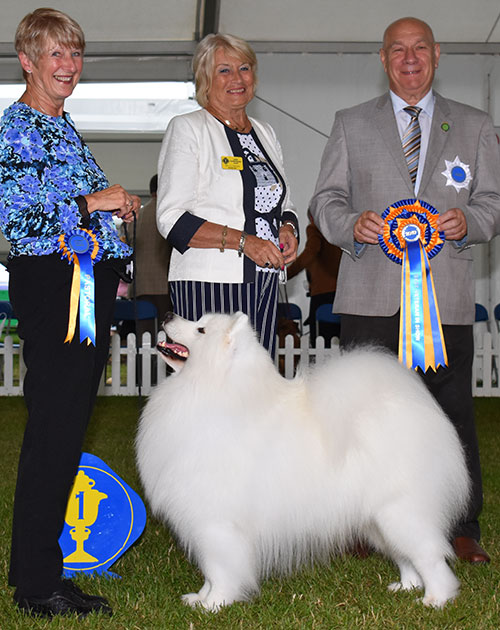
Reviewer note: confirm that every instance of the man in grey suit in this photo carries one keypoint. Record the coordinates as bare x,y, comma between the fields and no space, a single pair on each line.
456,169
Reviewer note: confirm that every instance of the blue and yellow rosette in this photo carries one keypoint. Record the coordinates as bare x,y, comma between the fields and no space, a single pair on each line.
81,247
411,238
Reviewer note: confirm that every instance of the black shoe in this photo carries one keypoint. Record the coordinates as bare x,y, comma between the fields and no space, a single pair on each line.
71,586
63,601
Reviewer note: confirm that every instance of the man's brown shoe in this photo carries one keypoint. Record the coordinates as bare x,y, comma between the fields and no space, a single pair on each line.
470,550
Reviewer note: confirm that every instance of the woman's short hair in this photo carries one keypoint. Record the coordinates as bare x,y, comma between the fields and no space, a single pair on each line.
37,28
204,60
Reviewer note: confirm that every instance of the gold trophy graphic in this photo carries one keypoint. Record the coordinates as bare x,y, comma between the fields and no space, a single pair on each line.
81,513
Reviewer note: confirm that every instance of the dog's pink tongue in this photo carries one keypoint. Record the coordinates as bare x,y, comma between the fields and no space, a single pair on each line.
174,350
177,348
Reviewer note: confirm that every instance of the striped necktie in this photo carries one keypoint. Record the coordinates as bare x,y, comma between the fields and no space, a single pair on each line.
411,141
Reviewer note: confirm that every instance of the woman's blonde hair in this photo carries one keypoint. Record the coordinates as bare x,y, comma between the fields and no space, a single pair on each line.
37,28
204,60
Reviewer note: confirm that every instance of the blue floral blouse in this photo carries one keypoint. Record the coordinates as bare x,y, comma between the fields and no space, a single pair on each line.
44,165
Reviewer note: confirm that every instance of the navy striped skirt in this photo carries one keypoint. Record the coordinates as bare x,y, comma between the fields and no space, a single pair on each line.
259,300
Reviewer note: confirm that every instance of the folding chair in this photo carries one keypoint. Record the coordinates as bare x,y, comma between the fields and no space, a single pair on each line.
324,314
127,310
292,311
6,316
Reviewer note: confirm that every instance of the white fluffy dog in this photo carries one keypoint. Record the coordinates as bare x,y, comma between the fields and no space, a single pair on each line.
255,473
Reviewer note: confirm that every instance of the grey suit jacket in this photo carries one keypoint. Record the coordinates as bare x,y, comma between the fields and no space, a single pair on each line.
363,168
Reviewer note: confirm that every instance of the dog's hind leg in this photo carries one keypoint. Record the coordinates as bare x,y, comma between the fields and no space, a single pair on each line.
419,548
227,561
441,584
409,578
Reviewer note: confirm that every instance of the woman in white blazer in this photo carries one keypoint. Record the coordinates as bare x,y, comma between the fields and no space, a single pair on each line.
223,199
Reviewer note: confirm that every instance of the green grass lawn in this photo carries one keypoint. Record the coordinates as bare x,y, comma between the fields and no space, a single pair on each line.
348,593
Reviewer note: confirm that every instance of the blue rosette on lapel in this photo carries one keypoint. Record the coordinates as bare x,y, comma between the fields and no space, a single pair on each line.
411,239
81,247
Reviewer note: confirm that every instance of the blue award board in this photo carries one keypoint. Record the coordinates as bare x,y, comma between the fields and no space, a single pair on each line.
104,517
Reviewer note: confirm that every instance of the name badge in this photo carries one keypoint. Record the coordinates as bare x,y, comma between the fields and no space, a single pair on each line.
232,163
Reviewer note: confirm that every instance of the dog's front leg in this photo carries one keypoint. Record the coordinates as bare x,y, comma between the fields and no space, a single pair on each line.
227,561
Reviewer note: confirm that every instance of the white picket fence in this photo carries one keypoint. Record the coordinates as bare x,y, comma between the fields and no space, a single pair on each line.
121,375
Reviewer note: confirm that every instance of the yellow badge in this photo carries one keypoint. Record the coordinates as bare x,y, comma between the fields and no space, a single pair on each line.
232,163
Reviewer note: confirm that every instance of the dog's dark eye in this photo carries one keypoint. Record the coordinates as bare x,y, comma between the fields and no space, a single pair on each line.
201,331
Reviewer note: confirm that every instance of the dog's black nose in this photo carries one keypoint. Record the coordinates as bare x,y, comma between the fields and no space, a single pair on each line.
168,317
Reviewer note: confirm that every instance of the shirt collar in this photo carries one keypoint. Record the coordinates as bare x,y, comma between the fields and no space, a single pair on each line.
426,103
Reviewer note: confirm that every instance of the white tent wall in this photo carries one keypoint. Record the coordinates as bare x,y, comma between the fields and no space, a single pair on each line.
129,163
113,20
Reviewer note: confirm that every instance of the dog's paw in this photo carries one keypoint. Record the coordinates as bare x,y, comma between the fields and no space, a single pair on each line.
192,599
394,587
196,601
433,601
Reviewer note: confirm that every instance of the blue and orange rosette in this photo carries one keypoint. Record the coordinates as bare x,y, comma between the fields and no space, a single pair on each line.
411,238
81,247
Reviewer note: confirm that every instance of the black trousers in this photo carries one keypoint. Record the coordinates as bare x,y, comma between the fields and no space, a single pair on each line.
451,387
60,389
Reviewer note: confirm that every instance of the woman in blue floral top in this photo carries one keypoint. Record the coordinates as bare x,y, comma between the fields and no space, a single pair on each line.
56,210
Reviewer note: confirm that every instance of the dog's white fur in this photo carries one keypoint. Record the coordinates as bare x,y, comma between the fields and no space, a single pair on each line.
256,473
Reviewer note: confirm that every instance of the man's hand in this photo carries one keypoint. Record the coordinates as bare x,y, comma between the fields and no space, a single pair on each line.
453,223
367,228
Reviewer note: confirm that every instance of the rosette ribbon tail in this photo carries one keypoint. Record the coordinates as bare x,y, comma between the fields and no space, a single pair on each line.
82,249
411,238
73,302
87,294
421,340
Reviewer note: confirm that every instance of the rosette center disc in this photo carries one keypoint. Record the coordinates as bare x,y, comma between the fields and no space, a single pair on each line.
79,244
408,221
410,233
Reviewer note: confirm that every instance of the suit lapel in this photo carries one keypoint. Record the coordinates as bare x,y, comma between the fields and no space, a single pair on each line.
437,140
385,121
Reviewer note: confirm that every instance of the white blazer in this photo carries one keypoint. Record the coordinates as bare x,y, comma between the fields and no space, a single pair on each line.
191,180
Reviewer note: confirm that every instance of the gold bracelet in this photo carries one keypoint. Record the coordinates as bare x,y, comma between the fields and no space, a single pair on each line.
223,242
